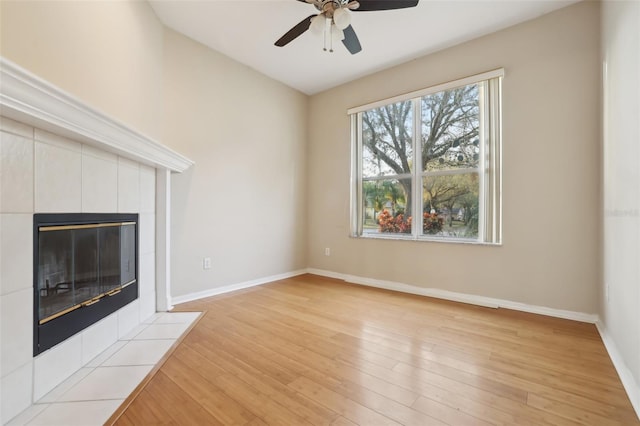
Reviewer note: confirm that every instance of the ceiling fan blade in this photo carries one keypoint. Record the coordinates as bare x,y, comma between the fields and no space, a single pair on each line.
294,32
370,5
351,41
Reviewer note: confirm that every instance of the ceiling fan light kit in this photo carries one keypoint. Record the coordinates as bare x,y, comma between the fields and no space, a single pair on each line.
334,21
341,18
318,24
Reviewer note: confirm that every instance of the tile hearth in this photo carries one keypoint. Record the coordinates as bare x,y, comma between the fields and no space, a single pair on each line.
93,393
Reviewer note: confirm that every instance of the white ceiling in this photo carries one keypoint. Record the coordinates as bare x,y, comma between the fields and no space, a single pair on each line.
245,30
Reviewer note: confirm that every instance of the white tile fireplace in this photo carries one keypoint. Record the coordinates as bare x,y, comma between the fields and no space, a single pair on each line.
88,170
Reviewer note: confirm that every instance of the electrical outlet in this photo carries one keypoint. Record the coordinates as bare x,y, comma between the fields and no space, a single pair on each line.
327,251
607,292
206,263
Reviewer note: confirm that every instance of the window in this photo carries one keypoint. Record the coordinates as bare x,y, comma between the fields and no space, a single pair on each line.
434,155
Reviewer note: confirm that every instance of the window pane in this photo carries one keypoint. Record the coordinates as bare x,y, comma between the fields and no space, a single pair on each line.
451,205
450,124
387,140
386,203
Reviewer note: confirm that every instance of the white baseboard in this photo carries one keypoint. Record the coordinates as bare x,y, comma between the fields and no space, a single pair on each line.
472,299
628,381
488,302
233,287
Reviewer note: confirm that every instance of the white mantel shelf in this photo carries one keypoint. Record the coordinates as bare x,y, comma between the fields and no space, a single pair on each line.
27,98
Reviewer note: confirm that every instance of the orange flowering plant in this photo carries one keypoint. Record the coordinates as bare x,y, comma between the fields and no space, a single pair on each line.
431,223
397,224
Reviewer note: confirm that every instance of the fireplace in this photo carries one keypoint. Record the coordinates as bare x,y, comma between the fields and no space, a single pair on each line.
85,268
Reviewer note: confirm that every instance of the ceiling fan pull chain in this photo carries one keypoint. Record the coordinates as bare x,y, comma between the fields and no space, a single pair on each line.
327,34
330,40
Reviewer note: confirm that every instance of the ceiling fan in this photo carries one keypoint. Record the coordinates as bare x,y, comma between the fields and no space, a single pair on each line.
334,21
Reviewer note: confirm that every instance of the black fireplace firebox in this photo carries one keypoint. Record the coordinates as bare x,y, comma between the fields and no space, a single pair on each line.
85,268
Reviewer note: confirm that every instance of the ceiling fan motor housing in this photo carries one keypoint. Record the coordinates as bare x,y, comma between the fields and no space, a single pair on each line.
328,7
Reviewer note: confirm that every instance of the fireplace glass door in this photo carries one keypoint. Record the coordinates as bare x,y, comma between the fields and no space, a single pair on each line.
80,264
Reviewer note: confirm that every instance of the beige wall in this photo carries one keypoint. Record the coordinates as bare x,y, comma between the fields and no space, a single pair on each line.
105,53
243,204
551,166
620,302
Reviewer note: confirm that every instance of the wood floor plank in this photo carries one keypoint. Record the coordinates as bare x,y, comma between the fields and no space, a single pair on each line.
146,411
257,422
270,411
206,393
179,405
447,414
557,380
481,382
401,413
306,408
317,351
532,383
316,338
569,412
341,421
324,368
348,408
434,387
124,420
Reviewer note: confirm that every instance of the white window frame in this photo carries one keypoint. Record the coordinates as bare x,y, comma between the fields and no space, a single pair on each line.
489,168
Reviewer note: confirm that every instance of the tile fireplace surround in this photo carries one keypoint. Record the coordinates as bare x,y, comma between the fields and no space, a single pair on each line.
42,172
109,169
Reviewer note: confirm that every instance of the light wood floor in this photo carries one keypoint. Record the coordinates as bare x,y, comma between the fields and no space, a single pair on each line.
311,350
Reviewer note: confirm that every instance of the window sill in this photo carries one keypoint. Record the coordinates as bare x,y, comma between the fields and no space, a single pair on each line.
399,237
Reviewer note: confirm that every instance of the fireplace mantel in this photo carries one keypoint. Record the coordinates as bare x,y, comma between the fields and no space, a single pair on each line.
29,99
